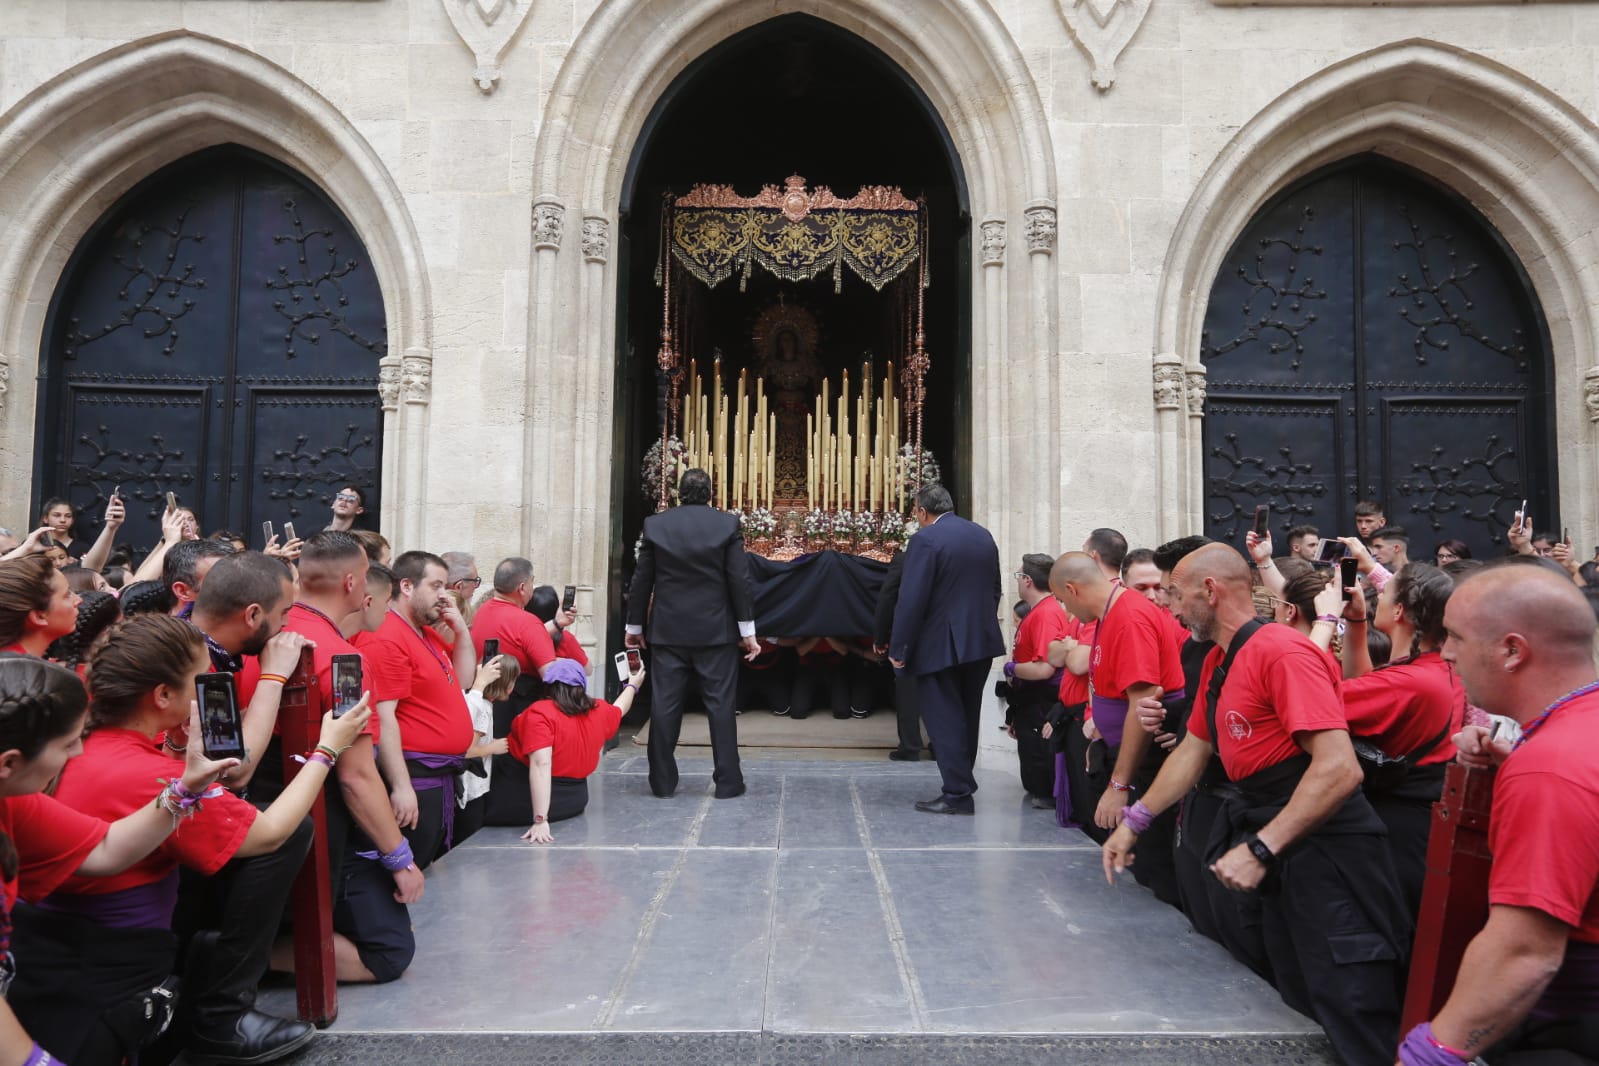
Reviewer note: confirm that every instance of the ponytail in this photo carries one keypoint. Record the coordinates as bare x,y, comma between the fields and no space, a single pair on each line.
25,586
1423,591
138,655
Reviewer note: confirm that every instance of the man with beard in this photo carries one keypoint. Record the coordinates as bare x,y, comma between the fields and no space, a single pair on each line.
240,612
1297,830
432,725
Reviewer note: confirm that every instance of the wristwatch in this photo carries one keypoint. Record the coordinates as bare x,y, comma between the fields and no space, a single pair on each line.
1258,848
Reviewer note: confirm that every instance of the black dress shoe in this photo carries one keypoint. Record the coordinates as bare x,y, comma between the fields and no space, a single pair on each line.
727,794
904,756
246,1039
944,805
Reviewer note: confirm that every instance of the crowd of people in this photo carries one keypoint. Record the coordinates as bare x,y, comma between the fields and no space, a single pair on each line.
1256,736
146,876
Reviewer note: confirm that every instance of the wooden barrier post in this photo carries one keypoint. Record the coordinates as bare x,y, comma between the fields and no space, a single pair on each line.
1454,899
315,978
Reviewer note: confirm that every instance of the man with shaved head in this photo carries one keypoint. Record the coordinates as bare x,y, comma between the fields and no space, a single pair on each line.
1296,830
1521,639
1133,657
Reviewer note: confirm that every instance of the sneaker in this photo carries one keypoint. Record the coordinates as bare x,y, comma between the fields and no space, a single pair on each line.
780,713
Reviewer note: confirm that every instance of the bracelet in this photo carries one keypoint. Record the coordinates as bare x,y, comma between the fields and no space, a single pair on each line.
40,1057
279,678
331,752
321,757
1329,618
1119,787
1268,564
1138,818
1354,621
1010,670
629,684
398,859
166,742
1421,1048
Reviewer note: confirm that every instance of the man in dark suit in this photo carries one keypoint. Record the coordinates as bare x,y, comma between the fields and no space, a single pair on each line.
946,634
910,723
693,561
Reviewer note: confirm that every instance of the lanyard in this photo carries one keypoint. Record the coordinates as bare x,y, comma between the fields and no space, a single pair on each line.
449,675
1537,723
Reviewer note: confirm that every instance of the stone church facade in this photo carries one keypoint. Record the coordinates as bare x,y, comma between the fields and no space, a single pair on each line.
1112,150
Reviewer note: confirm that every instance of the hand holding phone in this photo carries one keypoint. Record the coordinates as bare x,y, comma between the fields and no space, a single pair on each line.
221,732
1348,574
267,532
621,666
288,533
569,599
172,502
1262,520
1331,550
491,648
347,681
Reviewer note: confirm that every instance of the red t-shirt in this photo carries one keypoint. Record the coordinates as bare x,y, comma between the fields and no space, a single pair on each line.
315,626
1044,623
1401,707
117,774
378,680
52,840
1134,648
432,713
1546,818
569,648
1074,687
1280,684
521,635
575,743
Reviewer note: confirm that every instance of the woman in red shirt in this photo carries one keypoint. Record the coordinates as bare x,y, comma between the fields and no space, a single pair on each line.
1409,710
561,739
42,842
98,943
36,605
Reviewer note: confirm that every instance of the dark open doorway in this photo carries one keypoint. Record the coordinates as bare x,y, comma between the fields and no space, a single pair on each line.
794,95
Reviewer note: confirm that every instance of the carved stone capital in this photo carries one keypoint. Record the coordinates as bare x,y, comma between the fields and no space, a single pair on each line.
548,218
1590,393
1168,386
5,382
389,375
596,238
1102,29
1040,228
1196,392
416,378
487,27
993,242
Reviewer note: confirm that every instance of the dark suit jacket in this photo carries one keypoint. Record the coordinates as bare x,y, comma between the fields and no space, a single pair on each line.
888,599
693,562
948,611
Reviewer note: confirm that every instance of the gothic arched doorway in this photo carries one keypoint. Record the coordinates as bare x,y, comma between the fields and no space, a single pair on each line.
216,335
1369,336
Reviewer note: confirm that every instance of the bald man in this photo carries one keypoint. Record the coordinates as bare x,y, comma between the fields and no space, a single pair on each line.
1521,639
1298,830
1133,658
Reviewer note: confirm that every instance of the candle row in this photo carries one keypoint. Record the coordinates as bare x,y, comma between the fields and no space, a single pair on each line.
743,471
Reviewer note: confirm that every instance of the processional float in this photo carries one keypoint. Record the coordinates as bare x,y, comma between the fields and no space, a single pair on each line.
863,454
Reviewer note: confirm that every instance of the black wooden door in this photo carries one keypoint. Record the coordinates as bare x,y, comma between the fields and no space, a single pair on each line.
216,336
1370,337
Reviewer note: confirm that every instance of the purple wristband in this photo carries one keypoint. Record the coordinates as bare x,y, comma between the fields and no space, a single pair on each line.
1421,1048
1010,670
41,1057
1138,818
398,859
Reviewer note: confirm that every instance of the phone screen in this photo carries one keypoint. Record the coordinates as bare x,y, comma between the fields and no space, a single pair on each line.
491,648
569,599
1262,520
172,502
346,683
1331,551
635,660
288,531
621,665
1348,574
220,731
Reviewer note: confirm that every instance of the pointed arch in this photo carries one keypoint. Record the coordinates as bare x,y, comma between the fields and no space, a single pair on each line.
1525,158
73,146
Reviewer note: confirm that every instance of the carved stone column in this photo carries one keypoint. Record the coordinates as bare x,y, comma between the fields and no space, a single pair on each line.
543,413
1590,392
407,383
591,544
1194,390
1169,426
1039,227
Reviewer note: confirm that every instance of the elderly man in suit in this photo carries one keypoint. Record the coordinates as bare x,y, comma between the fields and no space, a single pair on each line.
946,635
693,563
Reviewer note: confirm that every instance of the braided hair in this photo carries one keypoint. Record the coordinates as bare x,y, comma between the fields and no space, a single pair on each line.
1423,591
97,612
39,702
147,597
136,656
26,585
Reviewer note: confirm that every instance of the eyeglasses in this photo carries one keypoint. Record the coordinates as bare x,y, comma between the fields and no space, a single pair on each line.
348,497
474,582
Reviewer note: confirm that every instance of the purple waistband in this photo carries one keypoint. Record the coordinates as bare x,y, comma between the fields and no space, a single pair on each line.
1109,717
434,761
140,907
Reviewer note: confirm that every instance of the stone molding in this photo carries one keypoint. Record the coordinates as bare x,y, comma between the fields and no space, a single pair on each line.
1590,392
1103,29
1194,389
487,28
596,239
389,381
993,231
1040,228
549,216
1168,386
416,378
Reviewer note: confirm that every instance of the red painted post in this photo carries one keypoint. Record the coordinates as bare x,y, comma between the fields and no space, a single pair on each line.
315,979
1454,900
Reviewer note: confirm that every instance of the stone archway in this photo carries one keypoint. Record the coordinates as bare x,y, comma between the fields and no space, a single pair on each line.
971,71
71,148
1526,159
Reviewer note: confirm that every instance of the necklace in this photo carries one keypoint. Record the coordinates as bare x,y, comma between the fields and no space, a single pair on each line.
1537,723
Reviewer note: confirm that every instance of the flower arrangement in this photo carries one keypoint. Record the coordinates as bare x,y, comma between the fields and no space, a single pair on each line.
819,525
912,479
893,529
862,524
650,470
758,523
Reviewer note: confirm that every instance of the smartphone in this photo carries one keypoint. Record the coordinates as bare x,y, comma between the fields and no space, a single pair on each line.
491,648
1331,550
569,599
346,683
221,733
266,531
1263,521
635,661
116,491
1348,574
172,503
621,666
288,532
1522,521
1565,536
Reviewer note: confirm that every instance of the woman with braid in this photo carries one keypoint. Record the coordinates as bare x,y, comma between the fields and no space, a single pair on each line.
37,606
97,612
42,842
1409,710
92,950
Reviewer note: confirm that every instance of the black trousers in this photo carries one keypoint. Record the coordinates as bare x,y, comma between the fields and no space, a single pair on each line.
365,911
871,685
1230,918
1035,754
813,683
568,797
951,702
1154,865
1081,755
716,669
771,689
427,836
908,713
255,892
